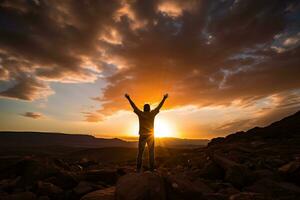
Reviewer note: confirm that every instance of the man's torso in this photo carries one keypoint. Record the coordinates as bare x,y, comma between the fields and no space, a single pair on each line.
146,122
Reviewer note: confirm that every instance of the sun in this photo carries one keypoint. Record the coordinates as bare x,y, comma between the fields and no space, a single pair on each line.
162,128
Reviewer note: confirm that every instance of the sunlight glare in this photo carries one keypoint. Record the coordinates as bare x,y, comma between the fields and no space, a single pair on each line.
162,128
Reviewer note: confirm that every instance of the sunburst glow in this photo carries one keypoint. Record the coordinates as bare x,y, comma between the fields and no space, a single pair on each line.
162,128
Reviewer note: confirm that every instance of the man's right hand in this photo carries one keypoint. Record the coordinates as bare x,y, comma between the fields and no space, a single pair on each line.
166,95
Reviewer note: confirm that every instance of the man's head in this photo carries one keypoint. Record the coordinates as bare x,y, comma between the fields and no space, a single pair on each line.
146,107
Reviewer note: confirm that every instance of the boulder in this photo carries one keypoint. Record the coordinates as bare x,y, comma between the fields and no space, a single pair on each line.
264,173
291,171
212,171
238,175
248,196
104,194
61,164
140,186
272,188
108,176
202,187
223,162
9,184
215,196
179,187
290,167
84,187
229,190
45,188
76,168
64,180
44,198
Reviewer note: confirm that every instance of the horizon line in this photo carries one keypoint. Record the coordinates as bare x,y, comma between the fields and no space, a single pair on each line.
97,135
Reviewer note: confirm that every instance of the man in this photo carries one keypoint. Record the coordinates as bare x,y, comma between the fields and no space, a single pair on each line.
146,130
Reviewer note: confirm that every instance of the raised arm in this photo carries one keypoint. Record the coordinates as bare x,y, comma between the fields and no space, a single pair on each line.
135,108
161,103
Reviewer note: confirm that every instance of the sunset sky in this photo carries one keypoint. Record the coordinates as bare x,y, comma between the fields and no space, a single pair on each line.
228,65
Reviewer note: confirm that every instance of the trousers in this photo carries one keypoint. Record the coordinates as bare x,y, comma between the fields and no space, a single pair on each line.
143,139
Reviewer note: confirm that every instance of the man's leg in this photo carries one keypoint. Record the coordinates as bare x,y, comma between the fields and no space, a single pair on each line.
139,160
150,143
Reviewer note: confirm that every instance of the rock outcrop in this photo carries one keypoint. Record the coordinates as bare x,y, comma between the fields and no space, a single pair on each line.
259,164
141,186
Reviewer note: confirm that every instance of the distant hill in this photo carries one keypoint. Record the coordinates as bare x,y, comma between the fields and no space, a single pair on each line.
39,139
287,128
30,139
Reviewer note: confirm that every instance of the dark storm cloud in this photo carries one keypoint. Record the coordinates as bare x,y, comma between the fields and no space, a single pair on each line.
201,52
27,88
51,40
219,52
33,115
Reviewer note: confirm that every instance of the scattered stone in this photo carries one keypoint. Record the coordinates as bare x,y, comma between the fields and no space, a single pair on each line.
43,198
108,176
291,172
214,196
45,188
76,168
9,184
248,196
264,173
181,188
84,187
272,188
104,194
65,180
290,167
211,171
238,175
20,196
229,191
61,164
31,170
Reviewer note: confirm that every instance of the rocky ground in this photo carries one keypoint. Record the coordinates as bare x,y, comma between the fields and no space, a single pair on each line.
262,163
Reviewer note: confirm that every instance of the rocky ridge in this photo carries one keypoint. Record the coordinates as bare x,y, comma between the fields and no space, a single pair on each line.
262,163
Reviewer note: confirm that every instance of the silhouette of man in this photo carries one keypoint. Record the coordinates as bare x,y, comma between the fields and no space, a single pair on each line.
146,130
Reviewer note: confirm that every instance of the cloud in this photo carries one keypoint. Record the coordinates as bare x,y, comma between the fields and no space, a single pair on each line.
92,116
263,112
32,115
173,55
175,8
28,89
52,41
3,74
286,41
201,52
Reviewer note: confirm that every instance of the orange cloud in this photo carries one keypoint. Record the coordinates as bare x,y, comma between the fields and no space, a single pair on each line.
92,117
175,8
